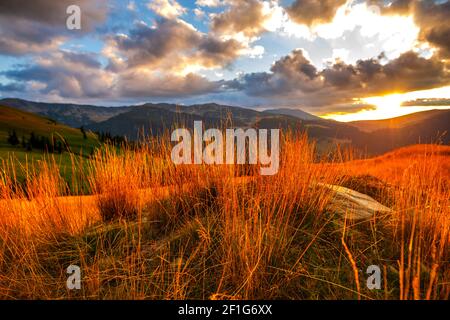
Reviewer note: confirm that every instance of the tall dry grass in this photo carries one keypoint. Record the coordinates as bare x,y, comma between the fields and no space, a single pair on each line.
153,230
417,180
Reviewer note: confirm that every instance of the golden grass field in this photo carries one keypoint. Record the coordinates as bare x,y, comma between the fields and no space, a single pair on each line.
153,230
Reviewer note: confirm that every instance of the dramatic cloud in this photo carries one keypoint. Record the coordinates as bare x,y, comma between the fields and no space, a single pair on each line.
171,45
312,12
409,72
149,61
244,17
289,74
65,74
40,25
145,84
160,60
146,45
80,76
294,78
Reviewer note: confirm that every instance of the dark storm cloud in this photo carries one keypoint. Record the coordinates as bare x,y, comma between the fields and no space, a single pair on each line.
40,25
293,73
294,78
408,72
312,12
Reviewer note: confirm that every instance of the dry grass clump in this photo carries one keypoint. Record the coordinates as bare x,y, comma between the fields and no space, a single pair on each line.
116,179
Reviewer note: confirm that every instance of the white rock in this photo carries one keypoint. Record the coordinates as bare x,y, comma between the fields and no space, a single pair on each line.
352,204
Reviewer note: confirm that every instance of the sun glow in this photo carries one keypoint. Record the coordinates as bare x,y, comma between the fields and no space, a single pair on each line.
390,106
395,33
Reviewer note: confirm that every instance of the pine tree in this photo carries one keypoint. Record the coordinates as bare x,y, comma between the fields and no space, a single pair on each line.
33,141
83,131
13,139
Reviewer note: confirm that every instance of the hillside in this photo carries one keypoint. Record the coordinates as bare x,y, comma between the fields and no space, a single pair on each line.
397,122
293,113
153,118
143,120
25,123
431,130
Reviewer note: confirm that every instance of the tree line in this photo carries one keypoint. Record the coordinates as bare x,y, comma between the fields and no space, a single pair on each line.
37,142
43,143
107,137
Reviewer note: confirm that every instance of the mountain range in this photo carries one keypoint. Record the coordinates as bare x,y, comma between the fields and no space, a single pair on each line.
373,137
69,114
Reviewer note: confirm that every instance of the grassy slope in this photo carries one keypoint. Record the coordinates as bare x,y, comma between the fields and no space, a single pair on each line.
397,122
24,123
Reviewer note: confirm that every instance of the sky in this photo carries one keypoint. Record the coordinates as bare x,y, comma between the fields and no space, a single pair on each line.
339,59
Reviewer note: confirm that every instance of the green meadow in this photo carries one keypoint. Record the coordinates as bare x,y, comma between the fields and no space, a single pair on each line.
76,146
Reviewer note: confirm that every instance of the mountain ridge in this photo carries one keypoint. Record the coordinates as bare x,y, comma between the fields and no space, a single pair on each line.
396,122
373,137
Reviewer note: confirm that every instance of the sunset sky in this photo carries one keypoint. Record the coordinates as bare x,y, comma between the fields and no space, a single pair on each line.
345,60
